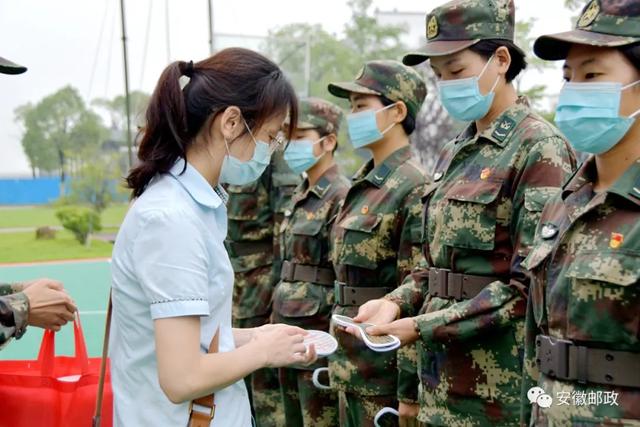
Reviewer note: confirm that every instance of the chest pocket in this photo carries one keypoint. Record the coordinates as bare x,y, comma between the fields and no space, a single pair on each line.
306,242
604,297
244,202
285,185
470,215
362,240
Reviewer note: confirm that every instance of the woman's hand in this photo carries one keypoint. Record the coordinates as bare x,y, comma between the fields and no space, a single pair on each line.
404,329
408,413
282,345
375,312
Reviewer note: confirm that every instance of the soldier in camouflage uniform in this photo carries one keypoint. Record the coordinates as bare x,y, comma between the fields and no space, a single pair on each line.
15,308
376,234
583,322
255,212
304,296
480,215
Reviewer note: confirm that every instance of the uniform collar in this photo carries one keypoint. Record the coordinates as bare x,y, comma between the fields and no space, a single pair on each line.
379,174
627,186
197,187
321,187
500,130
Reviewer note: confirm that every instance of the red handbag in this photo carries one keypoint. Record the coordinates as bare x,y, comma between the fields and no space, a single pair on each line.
53,391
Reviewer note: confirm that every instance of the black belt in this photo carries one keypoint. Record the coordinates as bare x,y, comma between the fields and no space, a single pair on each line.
248,248
293,272
567,361
357,295
444,283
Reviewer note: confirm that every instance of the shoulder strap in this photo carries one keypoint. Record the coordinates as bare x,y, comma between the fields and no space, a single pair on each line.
103,368
198,418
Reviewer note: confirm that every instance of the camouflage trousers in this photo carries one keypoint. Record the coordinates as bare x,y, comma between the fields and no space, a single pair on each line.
263,386
359,411
305,404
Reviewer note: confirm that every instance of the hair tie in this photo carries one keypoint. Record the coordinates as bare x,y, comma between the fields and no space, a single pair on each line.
188,70
275,74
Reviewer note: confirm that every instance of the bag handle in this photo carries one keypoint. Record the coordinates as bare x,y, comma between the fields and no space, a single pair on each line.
47,354
198,418
103,368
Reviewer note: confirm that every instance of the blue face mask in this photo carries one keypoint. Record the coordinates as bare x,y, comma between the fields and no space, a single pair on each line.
299,155
237,172
363,127
589,115
462,97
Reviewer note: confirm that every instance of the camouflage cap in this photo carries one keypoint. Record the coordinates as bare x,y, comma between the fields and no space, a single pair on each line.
605,23
8,67
390,79
316,113
460,24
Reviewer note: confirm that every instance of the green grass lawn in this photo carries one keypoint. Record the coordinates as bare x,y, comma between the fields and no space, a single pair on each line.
23,247
38,216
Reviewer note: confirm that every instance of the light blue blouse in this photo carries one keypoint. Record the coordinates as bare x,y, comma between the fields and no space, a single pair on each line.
169,260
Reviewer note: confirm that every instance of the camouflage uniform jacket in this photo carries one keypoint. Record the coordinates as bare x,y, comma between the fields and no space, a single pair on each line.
586,288
481,217
255,212
376,244
305,241
14,313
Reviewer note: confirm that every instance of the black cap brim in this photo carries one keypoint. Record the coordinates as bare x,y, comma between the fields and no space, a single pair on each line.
8,67
555,47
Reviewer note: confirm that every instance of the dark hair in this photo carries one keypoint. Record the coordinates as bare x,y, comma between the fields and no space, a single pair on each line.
486,48
408,124
232,77
632,53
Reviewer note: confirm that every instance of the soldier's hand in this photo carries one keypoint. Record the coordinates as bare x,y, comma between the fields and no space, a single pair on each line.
408,413
376,312
404,329
282,345
50,307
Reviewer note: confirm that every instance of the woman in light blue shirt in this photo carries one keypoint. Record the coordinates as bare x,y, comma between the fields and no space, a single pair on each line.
172,278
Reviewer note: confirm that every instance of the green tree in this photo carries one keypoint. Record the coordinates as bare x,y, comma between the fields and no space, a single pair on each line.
58,131
96,183
117,110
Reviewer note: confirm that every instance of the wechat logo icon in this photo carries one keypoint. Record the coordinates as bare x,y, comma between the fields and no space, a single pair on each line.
538,396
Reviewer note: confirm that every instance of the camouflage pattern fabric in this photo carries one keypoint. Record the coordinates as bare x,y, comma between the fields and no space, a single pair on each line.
316,113
390,79
586,288
255,212
304,404
376,244
459,24
360,411
607,23
14,312
305,241
482,211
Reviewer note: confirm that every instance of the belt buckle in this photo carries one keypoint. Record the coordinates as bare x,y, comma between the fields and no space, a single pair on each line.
288,271
438,282
553,356
338,290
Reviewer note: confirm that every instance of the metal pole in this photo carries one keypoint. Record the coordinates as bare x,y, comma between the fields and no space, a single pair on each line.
168,41
307,67
126,82
211,48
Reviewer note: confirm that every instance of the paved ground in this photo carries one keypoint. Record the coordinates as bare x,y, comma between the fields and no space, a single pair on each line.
88,283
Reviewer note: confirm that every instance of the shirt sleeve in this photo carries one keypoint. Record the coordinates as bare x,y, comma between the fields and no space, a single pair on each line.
409,256
172,264
14,314
547,166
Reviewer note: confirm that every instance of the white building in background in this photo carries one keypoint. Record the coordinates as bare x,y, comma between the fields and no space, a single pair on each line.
412,22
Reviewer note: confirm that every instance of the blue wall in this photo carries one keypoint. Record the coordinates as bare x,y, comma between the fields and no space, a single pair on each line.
27,191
